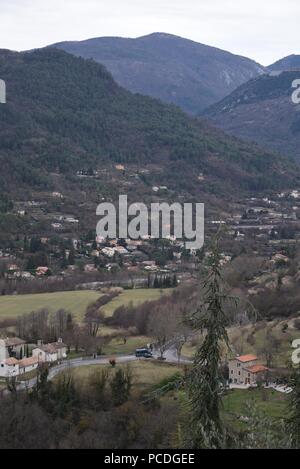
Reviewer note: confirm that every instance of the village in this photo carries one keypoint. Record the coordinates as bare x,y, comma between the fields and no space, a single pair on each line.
22,361
60,246
15,358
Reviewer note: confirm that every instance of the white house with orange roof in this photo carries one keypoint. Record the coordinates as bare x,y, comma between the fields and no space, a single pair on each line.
28,364
246,370
9,367
50,353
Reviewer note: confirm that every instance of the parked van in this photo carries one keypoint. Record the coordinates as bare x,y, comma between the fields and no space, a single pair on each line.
143,353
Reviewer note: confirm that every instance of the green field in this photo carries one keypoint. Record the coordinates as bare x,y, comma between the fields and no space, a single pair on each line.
146,374
271,402
237,403
117,347
74,301
135,297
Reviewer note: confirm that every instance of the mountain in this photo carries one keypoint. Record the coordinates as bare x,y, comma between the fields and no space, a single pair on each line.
66,114
290,62
262,111
175,70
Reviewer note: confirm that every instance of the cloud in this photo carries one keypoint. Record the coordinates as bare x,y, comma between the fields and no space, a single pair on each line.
263,30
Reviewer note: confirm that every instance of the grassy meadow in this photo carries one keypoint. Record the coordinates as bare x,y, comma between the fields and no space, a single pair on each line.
76,302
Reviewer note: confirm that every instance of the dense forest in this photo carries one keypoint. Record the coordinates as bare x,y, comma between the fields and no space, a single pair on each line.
65,114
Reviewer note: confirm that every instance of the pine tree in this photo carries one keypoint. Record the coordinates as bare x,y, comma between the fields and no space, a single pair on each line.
294,404
205,380
174,281
71,258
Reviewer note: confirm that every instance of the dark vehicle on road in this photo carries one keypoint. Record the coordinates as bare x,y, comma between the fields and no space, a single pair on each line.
143,353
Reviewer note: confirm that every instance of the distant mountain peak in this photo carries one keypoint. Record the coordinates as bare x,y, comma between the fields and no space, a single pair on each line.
171,68
71,115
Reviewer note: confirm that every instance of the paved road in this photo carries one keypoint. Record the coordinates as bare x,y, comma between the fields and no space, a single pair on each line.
170,355
75,363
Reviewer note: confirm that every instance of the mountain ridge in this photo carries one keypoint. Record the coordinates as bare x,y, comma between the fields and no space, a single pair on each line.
290,62
262,111
65,114
174,69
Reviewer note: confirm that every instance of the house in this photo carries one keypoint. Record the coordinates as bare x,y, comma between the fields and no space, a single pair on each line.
56,226
279,258
25,275
61,349
41,271
13,268
100,239
108,252
245,370
12,347
12,351
50,353
57,195
45,353
28,364
9,368
12,363
120,250
71,220
90,268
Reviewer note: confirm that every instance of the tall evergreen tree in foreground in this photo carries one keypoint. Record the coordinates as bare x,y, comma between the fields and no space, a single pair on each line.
205,381
294,404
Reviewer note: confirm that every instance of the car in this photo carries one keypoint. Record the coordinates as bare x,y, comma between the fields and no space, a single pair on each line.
143,353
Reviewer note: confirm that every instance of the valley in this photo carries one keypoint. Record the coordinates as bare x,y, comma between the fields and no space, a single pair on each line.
137,342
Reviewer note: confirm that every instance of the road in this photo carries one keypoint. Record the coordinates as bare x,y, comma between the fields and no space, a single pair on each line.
170,355
75,363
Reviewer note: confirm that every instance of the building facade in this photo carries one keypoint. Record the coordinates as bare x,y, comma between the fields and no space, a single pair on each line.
246,370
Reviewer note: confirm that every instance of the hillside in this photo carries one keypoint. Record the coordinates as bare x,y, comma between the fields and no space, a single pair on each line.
287,63
262,111
175,70
65,114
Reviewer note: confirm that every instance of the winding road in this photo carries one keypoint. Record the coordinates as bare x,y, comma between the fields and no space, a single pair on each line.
170,357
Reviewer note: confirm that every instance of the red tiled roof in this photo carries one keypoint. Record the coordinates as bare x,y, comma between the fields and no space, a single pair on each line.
13,342
11,361
257,369
28,362
247,358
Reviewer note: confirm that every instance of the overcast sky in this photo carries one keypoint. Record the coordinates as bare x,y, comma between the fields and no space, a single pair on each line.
264,30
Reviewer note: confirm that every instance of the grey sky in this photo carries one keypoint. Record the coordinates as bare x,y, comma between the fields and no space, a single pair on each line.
264,30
